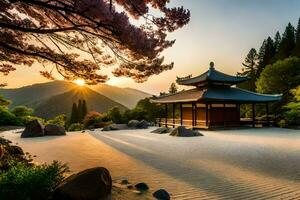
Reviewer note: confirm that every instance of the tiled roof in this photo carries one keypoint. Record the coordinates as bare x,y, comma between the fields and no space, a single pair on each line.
211,75
229,94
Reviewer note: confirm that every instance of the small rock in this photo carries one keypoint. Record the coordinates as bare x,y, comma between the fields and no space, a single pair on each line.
161,194
142,186
82,131
129,186
125,182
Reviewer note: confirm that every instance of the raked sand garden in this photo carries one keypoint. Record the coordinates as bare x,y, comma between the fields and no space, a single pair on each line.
261,163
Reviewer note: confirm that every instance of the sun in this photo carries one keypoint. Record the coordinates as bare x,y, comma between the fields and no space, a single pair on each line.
79,82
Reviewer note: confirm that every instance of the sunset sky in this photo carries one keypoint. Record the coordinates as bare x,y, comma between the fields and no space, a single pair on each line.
222,31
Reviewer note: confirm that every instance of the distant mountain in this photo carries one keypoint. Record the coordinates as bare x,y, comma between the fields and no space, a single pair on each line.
34,94
62,103
52,98
126,96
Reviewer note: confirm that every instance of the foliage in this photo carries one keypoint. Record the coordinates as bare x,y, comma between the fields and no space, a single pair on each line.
280,77
25,119
92,118
21,111
173,88
75,127
270,51
74,114
78,111
115,115
8,118
103,30
22,182
291,111
250,70
4,102
59,120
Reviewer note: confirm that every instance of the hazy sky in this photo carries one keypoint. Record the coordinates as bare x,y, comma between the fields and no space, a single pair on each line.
222,31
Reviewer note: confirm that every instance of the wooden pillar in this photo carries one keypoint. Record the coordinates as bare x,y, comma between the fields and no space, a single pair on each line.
181,114
166,115
224,115
159,122
173,115
206,114
253,115
195,114
239,113
267,112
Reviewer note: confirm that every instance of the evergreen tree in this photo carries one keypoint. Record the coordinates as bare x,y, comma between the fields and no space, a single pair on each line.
277,41
84,109
297,46
249,70
74,114
266,54
287,44
79,110
173,88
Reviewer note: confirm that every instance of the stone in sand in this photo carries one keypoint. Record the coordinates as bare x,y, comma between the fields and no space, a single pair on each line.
142,186
162,130
90,184
161,194
133,123
143,124
33,129
181,131
52,129
111,127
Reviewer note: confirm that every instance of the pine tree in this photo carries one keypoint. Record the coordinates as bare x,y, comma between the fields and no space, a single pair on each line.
287,44
173,88
74,114
84,109
266,55
79,111
277,41
249,70
297,46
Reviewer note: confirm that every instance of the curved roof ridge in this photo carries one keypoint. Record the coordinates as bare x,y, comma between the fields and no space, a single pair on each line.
261,94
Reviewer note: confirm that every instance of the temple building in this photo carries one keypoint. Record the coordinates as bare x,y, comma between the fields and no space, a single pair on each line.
214,101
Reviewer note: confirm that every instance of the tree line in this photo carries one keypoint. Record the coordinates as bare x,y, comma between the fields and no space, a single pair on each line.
272,49
78,112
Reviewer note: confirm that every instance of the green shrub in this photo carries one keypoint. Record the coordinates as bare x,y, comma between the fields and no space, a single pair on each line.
292,113
282,123
92,118
22,182
59,120
101,124
75,127
8,118
21,111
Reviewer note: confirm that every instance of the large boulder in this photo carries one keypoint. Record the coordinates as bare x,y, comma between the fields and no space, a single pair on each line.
133,123
90,184
181,131
143,124
33,129
52,129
